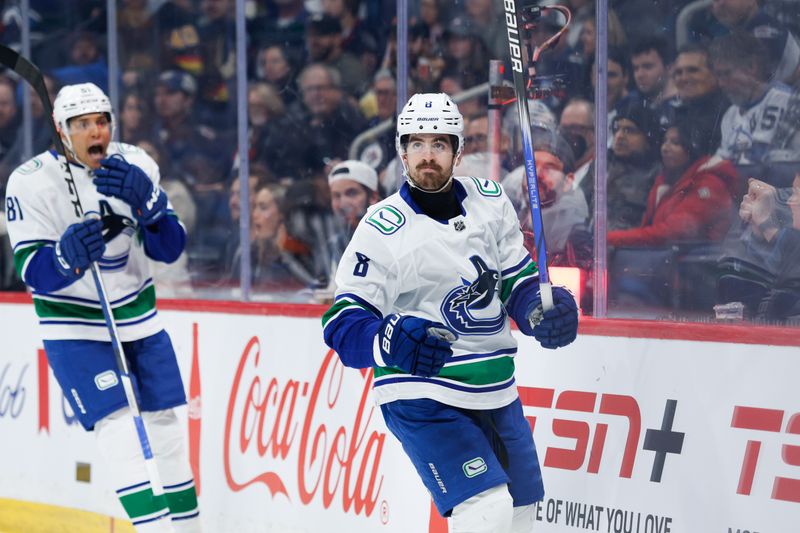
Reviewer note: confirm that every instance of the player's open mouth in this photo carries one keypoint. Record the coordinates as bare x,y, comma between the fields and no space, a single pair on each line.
96,151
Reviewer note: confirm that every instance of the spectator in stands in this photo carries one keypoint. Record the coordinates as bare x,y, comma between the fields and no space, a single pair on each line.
354,187
698,97
564,210
432,15
180,133
324,46
748,128
761,268
481,15
283,23
465,55
42,131
274,268
379,152
632,165
86,63
329,120
206,175
577,128
217,79
258,176
618,73
588,34
689,202
135,119
10,120
451,85
138,36
266,116
476,157
783,50
651,60
276,66
357,39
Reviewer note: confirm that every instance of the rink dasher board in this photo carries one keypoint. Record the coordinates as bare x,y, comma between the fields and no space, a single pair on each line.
634,434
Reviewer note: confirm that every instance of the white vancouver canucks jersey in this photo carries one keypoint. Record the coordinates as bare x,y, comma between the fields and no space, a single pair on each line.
748,133
39,210
459,272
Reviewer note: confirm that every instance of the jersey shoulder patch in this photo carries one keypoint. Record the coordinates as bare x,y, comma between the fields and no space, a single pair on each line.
30,166
487,187
387,219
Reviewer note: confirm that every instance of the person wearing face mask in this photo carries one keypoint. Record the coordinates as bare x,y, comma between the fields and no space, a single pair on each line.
565,213
577,128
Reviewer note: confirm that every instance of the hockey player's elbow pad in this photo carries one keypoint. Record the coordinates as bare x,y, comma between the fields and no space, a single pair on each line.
415,345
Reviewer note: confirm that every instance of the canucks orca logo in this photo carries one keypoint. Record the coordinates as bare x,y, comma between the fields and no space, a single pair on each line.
460,304
117,250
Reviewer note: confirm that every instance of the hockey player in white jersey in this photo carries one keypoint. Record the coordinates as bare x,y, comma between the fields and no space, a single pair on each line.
129,221
425,291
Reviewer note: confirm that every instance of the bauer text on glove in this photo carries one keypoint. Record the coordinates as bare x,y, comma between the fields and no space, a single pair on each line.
416,345
118,178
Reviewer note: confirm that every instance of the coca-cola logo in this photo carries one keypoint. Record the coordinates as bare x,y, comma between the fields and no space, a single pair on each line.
276,423
12,392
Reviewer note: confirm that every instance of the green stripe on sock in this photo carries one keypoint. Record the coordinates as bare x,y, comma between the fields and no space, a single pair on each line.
142,503
182,501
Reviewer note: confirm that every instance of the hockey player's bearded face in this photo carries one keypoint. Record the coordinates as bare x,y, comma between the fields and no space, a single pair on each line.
430,159
90,135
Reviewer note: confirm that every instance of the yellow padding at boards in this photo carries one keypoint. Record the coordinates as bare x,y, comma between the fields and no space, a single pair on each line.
28,517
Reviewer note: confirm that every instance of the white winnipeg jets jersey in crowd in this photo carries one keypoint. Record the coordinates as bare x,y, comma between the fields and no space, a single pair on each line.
748,132
40,210
459,272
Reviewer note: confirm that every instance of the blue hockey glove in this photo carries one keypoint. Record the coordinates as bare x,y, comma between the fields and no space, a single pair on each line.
416,345
116,177
557,327
80,246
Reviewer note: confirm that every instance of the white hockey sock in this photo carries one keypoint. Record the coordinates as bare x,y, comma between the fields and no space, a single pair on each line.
491,511
168,443
119,446
524,517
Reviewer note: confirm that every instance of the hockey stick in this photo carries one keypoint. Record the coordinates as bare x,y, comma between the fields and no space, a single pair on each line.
31,74
515,47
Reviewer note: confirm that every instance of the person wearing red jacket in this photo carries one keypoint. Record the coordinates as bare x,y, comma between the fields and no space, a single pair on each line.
689,201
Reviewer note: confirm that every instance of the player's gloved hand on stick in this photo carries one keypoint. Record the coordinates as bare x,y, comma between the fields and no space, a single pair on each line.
554,328
414,344
81,245
116,177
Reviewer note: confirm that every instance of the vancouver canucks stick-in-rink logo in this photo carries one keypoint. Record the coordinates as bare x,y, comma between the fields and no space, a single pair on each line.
462,304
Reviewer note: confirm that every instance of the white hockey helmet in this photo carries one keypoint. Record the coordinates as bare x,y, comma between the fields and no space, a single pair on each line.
430,113
81,99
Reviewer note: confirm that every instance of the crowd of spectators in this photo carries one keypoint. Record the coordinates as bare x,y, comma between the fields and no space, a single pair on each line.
691,120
